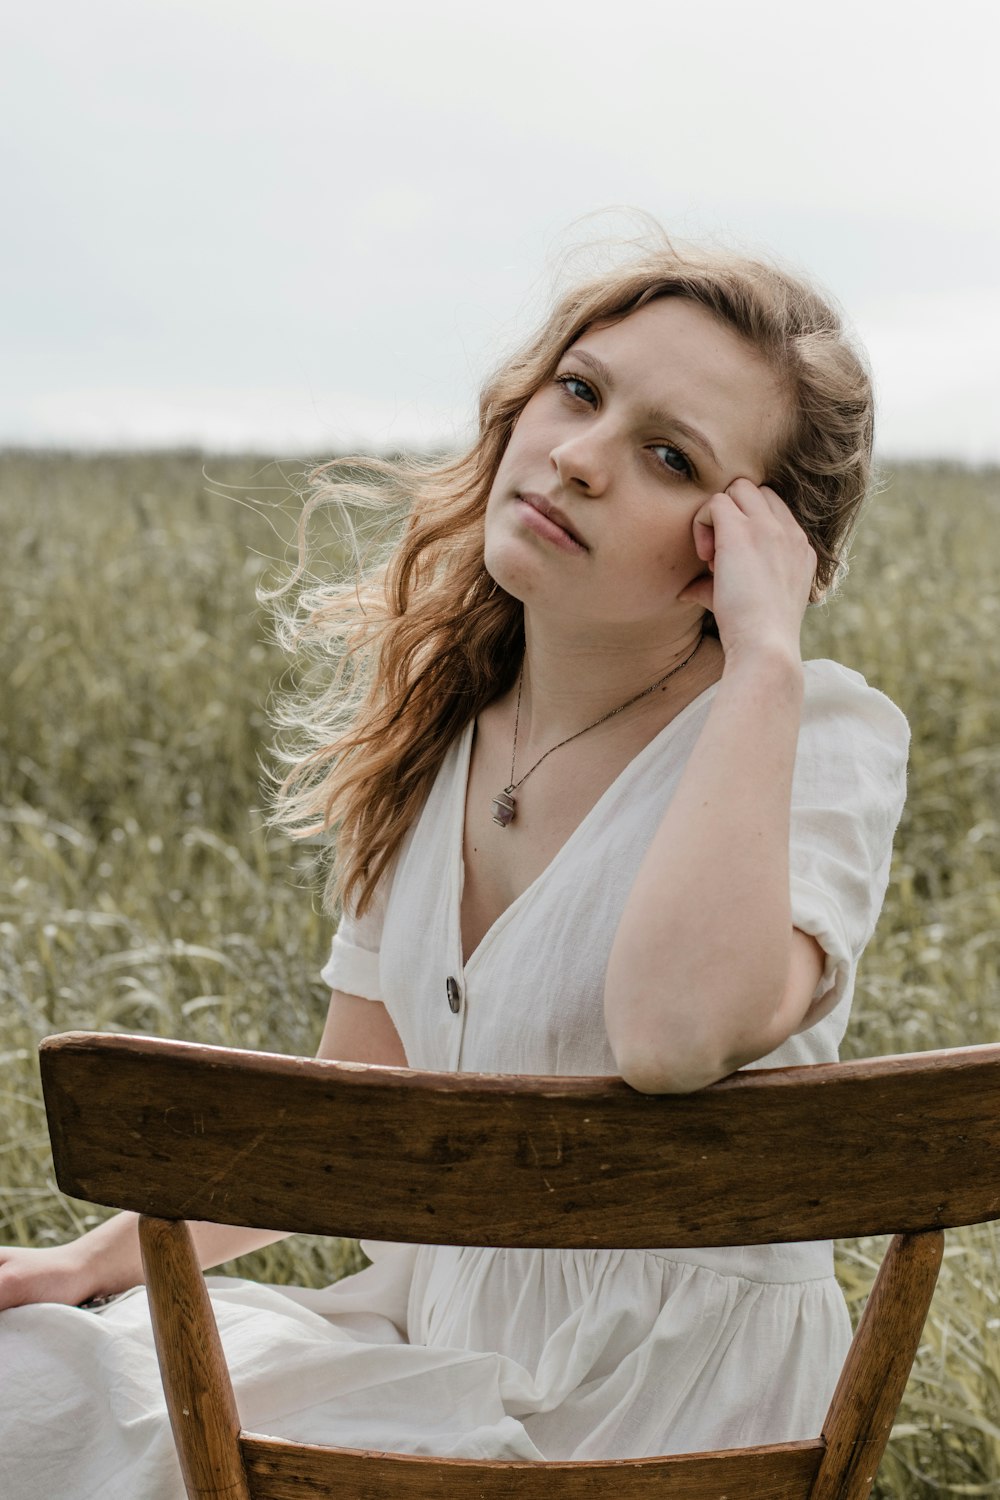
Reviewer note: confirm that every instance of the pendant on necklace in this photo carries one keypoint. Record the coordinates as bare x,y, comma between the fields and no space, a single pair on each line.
503,807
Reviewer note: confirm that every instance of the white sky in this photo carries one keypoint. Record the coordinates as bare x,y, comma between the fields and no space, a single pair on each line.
300,224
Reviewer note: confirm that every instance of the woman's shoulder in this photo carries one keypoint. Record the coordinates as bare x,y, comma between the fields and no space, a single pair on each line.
851,733
837,693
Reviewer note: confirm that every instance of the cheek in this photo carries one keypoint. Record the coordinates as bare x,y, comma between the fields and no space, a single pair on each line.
504,556
492,533
507,457
674,552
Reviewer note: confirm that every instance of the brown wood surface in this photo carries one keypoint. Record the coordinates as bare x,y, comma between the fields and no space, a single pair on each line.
192,1365
878,1363
905,1143
284,1471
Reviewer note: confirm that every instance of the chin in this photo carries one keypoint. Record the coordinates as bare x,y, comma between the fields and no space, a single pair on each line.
509,564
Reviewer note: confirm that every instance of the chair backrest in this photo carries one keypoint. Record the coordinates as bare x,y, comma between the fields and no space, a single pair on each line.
175,1131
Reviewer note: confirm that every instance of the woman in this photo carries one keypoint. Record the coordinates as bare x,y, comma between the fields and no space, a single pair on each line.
595,816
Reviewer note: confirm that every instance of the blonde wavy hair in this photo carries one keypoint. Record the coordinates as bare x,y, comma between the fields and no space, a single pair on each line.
420,638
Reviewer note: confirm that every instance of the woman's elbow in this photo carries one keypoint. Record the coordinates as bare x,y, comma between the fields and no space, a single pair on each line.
682,1068
680,1059
652,1080
679,1035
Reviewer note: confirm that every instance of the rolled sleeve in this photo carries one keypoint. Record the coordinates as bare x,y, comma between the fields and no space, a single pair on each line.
353,965
847,797
352,969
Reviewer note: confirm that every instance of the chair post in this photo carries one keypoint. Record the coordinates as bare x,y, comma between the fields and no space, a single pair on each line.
875,1373
196,1381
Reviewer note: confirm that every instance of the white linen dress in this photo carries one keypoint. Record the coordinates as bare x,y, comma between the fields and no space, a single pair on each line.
517,1354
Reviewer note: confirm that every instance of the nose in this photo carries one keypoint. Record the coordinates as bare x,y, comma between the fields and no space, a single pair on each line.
583,462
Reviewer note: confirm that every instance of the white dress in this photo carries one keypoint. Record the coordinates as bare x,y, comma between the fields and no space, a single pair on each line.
518,1354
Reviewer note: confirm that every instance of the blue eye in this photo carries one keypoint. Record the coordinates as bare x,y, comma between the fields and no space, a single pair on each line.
585,393
674,459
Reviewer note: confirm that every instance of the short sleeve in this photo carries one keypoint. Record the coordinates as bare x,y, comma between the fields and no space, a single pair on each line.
847,796
353,965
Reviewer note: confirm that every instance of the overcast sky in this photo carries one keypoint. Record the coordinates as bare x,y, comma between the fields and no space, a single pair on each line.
294,225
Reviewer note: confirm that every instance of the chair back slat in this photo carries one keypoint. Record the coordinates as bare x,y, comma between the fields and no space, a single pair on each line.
878,1364
196,1384
183,1131
286,1471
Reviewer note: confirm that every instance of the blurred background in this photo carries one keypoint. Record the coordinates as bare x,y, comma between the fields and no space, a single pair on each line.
237,236
309,225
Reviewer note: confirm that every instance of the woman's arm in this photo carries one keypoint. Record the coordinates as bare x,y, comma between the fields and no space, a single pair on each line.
706,972
106,1260
359,1030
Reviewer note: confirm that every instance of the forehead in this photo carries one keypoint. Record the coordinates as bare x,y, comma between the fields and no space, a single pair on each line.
676,358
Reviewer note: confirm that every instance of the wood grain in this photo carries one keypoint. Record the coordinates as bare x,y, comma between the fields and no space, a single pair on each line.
878,1363
284,1471
906,1144
196,1381
179,1131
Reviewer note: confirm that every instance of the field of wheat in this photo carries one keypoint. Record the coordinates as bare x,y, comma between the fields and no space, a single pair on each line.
141,890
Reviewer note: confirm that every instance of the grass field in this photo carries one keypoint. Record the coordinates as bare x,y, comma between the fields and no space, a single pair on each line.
142,892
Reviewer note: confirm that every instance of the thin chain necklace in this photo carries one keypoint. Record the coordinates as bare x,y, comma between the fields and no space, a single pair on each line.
504,803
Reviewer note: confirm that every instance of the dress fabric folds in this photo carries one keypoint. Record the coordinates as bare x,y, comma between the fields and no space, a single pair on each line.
516,1354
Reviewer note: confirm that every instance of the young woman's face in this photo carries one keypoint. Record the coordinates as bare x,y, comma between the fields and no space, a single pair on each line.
590,515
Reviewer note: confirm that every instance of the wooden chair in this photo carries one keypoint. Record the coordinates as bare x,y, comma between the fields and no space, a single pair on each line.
174,1131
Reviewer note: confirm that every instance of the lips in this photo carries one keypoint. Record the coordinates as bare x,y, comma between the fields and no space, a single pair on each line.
553,513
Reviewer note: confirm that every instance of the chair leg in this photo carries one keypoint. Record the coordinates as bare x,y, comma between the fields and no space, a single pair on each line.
878,1364
193,1368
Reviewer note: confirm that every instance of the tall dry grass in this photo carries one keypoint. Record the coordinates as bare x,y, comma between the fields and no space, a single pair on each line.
141,891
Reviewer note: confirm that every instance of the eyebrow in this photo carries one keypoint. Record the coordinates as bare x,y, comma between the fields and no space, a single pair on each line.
654,415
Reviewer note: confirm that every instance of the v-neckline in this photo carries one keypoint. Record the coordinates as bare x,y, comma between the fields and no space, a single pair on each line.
458,832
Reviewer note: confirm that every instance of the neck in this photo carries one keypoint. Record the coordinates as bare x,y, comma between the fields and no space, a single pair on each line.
570,681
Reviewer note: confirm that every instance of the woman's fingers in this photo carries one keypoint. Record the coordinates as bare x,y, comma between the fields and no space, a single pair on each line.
760,561
761,502
40,1274
700,591
704,535
755,499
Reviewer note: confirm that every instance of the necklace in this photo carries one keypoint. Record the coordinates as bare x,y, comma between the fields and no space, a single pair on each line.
504,803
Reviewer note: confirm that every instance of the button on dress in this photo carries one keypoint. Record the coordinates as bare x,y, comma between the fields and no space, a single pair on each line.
517,1354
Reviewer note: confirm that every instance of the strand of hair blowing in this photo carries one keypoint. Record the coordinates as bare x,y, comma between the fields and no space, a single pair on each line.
426,639
427,642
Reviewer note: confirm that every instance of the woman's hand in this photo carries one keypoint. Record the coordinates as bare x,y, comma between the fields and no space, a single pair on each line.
107,1260
56,1274
761,569
706,972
